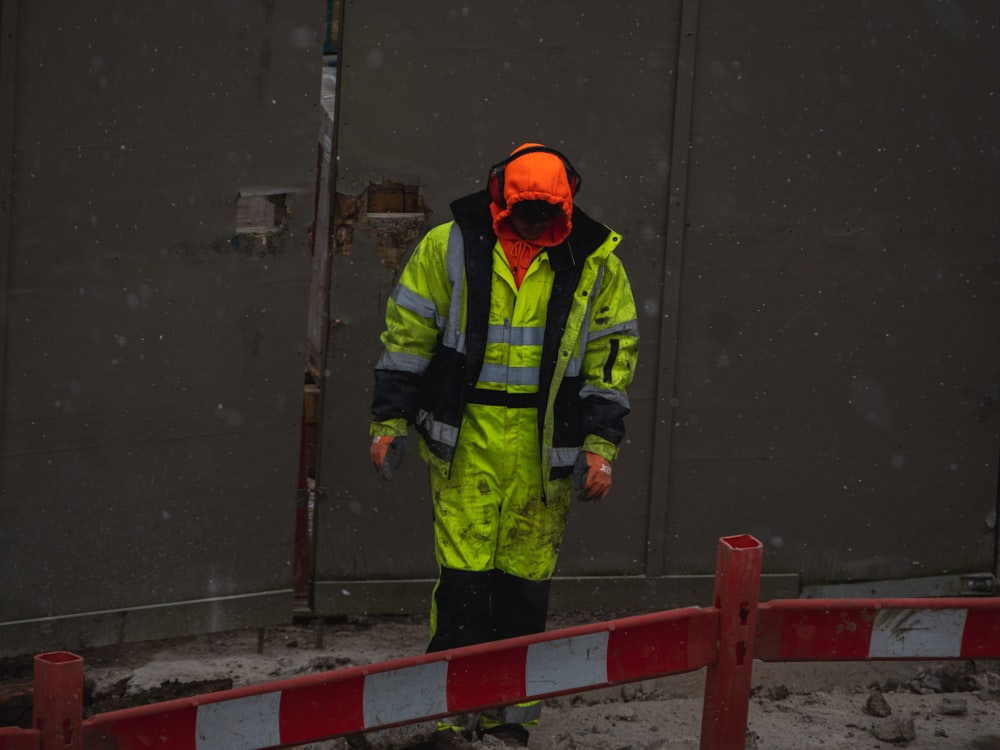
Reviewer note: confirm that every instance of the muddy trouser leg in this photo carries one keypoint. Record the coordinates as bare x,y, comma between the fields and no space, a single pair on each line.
520,607
460,616
460,608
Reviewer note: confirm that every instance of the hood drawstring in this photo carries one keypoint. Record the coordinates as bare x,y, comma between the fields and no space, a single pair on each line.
520,253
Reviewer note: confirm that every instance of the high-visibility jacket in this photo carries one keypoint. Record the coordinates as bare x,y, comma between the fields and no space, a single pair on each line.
572,360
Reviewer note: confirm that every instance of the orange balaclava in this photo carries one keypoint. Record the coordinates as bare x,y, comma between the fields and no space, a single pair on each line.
538,175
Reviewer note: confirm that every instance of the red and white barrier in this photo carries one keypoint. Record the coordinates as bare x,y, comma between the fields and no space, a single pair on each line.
419,688
725,638
853,629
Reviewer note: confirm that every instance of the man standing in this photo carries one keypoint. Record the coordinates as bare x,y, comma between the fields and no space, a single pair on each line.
510,340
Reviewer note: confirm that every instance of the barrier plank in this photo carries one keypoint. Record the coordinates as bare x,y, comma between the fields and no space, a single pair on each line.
420,688
886,629
15,738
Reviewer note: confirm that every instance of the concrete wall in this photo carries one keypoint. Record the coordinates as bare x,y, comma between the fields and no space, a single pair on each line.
159,168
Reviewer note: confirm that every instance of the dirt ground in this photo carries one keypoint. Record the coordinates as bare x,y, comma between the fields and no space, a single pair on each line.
918,705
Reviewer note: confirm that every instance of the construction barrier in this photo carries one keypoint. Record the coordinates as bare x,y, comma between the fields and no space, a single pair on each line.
724,638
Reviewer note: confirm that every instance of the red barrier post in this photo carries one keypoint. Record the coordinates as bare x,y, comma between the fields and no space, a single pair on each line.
58,700
727,682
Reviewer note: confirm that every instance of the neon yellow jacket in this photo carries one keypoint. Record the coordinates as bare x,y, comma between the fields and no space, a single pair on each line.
450,341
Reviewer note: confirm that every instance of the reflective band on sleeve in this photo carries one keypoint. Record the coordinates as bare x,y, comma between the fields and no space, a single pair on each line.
401,362
564,456
911,633
239,724
608,394
567,663
406,694
415,303
629,328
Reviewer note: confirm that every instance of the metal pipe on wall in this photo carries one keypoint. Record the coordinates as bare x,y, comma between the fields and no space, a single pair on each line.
8,56
670,297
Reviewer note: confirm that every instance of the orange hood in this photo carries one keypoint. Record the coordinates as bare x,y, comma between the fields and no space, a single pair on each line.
538,176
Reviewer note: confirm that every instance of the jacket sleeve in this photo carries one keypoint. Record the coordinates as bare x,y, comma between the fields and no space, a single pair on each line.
609,361
415,315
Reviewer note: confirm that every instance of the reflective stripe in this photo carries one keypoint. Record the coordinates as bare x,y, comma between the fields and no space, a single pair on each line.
519,713
628,328
455,339
239,723
405,694
596,289
416,303
574,367
402,362
509,336
917,633
527,336
454,336
497,334
567,664
608,394
515,335
446,434
563,456
509,375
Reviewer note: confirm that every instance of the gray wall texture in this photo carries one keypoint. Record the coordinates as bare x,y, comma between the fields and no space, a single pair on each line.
152,354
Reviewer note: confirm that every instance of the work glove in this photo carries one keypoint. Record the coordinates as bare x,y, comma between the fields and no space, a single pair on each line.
591,476
387,454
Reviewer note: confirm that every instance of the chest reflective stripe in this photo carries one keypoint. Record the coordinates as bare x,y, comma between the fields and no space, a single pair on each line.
513,351
513,354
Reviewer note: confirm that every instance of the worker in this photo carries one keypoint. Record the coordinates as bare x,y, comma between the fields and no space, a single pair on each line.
510,340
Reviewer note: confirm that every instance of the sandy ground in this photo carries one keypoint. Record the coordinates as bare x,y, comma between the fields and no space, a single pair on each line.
918,705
